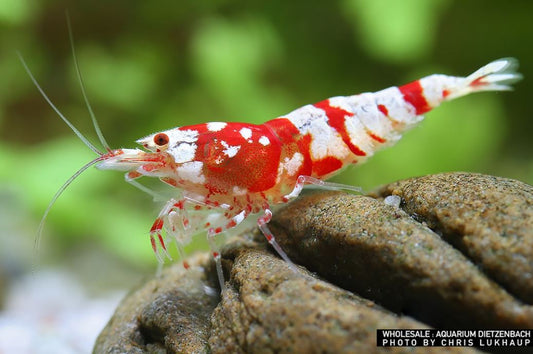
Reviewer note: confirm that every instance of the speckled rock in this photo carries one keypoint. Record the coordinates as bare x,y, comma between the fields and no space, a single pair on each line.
268,308
489,219
168,313
383,254
455,254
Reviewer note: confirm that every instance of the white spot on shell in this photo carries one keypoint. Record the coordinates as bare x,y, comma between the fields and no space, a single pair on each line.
184,152
264,140
293,164
246,133
191,171
216,126
186,136
231,151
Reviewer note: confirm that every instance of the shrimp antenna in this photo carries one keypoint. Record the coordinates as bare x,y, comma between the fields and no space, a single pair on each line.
71,126
82,86
56,196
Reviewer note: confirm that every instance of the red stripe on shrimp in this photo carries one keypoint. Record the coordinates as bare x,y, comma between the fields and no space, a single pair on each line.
336,118
375,137
383,109
292,141
414,94
326,165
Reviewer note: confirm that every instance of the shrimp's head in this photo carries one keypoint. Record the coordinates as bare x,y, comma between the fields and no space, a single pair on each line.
169,155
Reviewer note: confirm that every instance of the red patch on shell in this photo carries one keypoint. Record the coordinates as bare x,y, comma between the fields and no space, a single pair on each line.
327,165
337,117
383,109
292,141
414,94
231,160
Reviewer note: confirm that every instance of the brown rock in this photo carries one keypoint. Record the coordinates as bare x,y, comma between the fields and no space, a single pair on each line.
489,219
377,252
169,313
381,253
268,308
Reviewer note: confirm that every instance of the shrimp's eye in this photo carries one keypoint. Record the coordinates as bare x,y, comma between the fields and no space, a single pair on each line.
161,139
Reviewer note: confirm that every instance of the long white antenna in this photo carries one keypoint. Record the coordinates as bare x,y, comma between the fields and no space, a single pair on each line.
56,196
71,126
82,86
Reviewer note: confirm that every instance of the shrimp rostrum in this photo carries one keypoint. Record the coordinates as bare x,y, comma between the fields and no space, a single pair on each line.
224,173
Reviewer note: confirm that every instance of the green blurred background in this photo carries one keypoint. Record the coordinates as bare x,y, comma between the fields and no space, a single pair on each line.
153,65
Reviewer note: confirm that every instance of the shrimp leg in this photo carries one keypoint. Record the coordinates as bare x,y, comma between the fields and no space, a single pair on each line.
303,180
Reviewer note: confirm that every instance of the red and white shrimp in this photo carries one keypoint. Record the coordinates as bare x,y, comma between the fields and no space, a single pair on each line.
225,172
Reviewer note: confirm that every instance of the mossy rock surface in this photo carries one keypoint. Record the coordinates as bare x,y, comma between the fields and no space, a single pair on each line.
456,253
